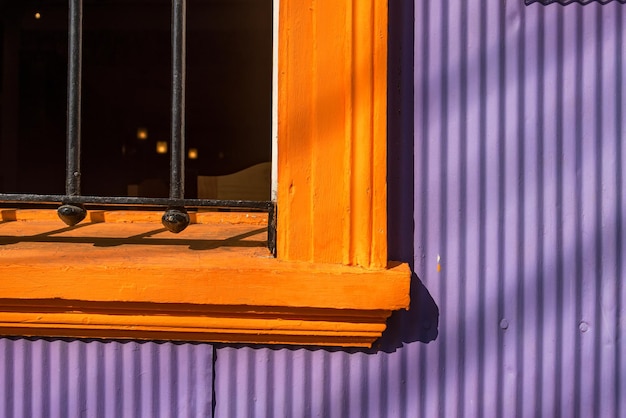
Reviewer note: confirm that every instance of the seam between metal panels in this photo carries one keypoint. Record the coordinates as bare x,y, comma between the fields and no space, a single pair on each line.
213,380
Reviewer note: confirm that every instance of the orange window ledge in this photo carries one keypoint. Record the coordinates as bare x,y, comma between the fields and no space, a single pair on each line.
121,275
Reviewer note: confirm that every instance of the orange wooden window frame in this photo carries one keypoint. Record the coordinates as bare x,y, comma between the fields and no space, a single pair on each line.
331,283
332,131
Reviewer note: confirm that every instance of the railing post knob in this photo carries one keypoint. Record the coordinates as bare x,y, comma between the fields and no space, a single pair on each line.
175,219
71,214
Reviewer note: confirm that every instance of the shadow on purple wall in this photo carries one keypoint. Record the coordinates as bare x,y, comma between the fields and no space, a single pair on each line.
420,323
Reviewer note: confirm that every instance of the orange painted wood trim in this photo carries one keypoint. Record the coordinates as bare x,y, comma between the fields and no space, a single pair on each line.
332,132
216,263
254,281
126,277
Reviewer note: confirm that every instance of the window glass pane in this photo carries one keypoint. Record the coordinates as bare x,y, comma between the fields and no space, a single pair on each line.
126,92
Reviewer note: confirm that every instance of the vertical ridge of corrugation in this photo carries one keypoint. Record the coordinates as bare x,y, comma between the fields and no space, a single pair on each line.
443,130
481,406
422,167
597,175
422,115
481,251
618,384
578,208
559,365
520,82
462,242
500,122
58,378
540,230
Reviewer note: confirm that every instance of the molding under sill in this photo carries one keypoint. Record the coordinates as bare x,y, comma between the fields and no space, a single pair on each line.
120,275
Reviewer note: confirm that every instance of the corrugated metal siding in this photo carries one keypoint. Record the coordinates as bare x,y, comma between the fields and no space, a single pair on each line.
310,383
519,117
40,378
519,185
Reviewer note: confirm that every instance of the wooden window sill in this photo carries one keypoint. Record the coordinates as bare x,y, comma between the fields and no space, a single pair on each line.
121,275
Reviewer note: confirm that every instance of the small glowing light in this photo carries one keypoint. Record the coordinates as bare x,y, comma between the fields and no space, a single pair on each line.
142,133
37,15
161,147
192,153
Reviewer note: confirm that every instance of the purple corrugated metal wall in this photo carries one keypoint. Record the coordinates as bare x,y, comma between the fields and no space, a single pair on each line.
518,184
511,213
104,379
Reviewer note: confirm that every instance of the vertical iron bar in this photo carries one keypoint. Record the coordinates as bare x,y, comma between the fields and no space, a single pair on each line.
72,178
177,174
73,214
176,218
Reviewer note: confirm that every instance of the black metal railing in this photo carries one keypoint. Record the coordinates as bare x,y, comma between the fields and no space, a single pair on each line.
72,205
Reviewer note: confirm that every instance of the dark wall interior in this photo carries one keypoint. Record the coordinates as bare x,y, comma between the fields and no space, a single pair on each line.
126,86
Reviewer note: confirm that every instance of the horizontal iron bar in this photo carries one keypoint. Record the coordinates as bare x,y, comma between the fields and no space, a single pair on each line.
135,201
